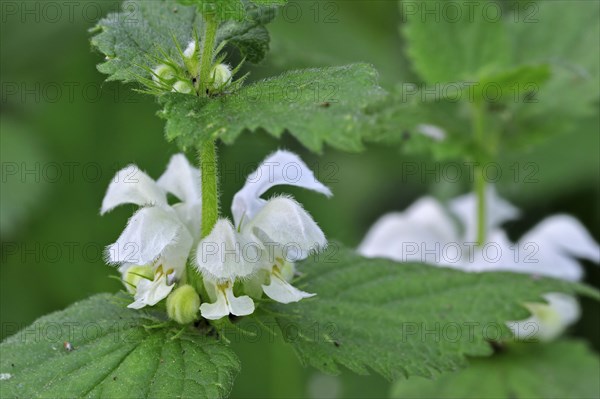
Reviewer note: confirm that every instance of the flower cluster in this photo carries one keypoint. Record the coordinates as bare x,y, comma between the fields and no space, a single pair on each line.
557,242
238,262
183,75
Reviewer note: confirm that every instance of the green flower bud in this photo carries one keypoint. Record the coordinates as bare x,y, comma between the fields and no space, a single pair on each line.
134,274
183,304
220,76
163,72
191,58
183,87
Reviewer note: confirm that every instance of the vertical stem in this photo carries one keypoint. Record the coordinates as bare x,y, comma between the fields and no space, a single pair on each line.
480,183
208,44
210,205
210,188
481,208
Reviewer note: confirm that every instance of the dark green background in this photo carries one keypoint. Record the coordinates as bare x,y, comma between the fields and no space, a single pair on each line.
71,132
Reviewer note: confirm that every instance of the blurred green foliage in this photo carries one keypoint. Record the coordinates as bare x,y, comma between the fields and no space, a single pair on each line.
64,133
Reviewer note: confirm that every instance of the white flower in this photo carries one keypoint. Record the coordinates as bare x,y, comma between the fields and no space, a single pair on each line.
266,236
158,234
548,320
427,232
223,258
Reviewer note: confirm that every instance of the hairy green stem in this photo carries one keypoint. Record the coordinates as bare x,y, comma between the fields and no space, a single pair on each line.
480,183
210,187
208,44
210,205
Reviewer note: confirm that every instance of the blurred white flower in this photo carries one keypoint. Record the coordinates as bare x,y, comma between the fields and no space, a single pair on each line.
159,234
268,236
430,233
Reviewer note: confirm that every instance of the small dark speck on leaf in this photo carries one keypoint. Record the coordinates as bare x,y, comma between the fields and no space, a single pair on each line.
12,365
183,352
325,104
175,10
405,135
337,344
115,378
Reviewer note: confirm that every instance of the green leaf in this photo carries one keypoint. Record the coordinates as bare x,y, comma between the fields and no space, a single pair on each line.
133,40
453,42
114,356
317,106
225,10
563,369
573,88
572,91
518,85
401,319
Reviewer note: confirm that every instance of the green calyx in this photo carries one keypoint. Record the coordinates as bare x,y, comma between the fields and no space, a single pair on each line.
183,304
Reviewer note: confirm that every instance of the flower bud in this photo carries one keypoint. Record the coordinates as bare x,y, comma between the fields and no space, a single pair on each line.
220,76
183,304
190,50
182,87
163,72
134,274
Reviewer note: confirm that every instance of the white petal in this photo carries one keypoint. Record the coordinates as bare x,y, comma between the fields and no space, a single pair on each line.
498,211
498,254
149,293
282,167
565,233
547,321
413,235
239,306
529,255
432,131
175,255
283,292
132,186
226,254
181,179
282,221
190,49
190,214
145,237
565,305
216,310
225,304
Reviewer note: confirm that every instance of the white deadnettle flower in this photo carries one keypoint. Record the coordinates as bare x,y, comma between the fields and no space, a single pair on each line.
267,236
157,235
550,249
